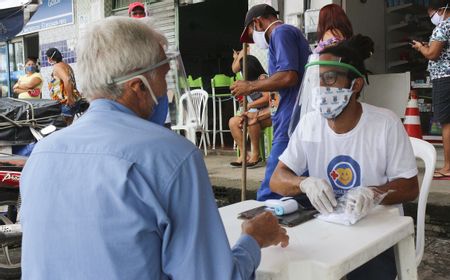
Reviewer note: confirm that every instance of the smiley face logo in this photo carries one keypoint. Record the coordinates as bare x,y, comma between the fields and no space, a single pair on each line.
344,173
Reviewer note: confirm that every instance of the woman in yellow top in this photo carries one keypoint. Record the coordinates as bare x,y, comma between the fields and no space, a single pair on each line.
63,86
29,86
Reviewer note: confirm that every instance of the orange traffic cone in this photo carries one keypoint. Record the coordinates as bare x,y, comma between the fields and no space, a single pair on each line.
412,117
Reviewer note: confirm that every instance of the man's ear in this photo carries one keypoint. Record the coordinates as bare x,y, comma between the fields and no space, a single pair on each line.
358,84
136,85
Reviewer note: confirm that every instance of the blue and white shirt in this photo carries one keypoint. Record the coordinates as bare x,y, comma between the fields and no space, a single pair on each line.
440,68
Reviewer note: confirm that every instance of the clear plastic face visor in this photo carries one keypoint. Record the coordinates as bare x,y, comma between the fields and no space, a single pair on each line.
313,78
181,108
177,86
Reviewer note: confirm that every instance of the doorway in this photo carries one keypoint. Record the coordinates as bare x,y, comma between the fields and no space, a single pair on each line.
31,44
208,33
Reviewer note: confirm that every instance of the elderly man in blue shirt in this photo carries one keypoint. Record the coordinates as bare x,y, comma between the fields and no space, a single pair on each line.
117,196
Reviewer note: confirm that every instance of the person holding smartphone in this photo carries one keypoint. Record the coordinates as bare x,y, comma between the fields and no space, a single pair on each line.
437,51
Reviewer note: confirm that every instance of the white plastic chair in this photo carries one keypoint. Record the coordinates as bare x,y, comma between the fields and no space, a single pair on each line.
427,153
193,116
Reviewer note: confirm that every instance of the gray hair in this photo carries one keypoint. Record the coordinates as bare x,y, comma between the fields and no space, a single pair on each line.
112,48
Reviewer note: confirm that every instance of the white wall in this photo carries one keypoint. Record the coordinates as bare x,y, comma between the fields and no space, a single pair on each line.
292,10
389,91
292,7
368,19
317,4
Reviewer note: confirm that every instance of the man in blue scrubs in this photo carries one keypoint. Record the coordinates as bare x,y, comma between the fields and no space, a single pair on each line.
288,54
118,196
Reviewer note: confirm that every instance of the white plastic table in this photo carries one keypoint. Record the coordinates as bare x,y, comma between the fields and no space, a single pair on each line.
321,250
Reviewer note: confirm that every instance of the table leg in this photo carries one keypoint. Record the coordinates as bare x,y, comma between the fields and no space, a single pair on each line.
405,258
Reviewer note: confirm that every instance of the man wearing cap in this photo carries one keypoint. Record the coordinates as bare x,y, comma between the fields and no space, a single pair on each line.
136,10
288,54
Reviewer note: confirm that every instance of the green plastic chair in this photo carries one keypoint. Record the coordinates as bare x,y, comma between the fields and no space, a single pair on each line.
265,143
220,81
238,76
197,83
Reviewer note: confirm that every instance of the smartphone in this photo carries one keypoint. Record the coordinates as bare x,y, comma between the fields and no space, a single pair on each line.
289,220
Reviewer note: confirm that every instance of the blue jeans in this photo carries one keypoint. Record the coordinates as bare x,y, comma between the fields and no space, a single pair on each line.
264,192
382,267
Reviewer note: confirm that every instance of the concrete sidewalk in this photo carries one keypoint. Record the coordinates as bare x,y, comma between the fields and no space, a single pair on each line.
222,174
435,264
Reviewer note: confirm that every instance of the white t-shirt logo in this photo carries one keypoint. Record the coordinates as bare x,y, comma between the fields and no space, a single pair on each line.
343,173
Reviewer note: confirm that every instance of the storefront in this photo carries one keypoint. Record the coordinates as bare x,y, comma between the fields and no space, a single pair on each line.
15,49
50,15
12,17
396,67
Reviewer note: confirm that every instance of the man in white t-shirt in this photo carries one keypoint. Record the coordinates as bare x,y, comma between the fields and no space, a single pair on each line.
345,144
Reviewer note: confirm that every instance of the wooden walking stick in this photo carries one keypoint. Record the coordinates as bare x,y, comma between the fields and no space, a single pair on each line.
244,128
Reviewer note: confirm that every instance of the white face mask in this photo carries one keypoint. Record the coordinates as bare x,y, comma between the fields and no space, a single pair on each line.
331,101
436,18
259,37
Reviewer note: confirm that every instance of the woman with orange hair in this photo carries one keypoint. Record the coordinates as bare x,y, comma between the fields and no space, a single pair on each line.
333,27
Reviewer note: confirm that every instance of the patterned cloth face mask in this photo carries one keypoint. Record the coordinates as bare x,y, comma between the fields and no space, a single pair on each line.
331,101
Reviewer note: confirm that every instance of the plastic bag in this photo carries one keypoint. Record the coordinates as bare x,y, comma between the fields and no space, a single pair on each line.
355,205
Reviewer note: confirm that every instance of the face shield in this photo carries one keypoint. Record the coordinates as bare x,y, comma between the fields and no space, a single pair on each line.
321,86
181,109
177,89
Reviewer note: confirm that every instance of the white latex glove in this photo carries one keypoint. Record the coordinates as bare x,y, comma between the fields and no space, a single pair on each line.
320,193
360,201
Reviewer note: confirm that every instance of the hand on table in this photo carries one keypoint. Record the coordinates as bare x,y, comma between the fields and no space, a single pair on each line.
265,229
320,194
359,201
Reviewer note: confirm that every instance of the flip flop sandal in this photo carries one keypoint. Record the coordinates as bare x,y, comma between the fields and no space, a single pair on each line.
236,164
440,175
254,164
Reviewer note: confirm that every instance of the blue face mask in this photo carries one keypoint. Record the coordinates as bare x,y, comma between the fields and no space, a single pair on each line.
30,69
159,113
161,107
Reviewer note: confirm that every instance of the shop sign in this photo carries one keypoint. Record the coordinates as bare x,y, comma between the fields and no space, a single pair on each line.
52,13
